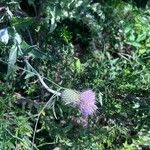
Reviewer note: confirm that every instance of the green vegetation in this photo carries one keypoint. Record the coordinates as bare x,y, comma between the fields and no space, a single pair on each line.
49,46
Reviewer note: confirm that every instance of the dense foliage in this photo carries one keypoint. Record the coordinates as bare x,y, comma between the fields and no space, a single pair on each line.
103,45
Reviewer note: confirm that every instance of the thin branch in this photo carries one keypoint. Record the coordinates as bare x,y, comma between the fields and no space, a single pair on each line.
35,128
42,81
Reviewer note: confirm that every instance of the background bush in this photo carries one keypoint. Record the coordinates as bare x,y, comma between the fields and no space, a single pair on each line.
101,45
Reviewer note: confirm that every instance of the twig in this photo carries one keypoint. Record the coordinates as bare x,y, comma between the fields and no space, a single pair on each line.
35,128
41,80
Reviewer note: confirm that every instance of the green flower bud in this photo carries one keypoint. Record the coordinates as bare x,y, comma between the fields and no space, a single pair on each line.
70,96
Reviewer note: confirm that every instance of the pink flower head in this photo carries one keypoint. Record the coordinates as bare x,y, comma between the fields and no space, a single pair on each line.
87,102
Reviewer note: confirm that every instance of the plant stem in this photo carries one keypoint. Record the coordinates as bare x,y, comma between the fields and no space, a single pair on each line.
42,81
47,88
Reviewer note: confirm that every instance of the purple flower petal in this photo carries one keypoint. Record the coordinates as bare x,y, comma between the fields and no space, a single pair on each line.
87,103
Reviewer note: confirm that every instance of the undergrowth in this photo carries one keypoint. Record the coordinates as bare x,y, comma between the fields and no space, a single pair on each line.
72,44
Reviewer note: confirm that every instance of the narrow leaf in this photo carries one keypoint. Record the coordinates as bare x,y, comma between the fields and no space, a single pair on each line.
12,59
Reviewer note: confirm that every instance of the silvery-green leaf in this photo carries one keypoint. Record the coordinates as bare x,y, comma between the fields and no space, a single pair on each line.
53,24
29,75
100,98
4,36
9,13
18,38
12,59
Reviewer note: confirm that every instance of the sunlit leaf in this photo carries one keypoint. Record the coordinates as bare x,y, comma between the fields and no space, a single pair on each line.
12,59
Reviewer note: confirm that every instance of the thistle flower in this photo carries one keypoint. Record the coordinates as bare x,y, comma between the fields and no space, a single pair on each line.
87,102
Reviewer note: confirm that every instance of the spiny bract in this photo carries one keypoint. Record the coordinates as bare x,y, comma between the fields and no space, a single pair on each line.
70,96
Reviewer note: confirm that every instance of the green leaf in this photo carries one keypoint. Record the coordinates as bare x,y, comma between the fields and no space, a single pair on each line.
127,30
141,37
148,45
20,22
142,51
17,37
78,65
132,37
29,75
32,51
135,44
12,59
